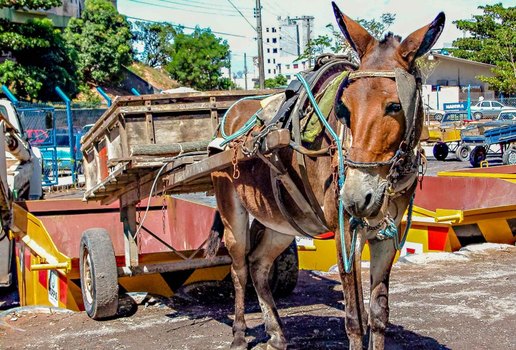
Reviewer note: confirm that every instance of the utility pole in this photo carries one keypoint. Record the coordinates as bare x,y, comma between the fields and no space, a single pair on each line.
245,70
261,68
308,18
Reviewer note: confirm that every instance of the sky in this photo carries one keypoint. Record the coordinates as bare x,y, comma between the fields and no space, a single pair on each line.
233,20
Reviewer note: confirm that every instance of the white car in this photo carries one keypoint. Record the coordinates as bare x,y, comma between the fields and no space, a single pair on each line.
434,114
487,108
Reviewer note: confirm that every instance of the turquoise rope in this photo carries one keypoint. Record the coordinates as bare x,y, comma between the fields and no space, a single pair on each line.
248,124
391,231
348,262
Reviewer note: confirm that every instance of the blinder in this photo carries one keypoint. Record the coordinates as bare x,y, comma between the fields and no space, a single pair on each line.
408,93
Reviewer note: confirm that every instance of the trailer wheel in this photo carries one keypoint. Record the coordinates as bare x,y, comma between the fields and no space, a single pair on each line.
99,277
477,155
284,272
440,151
463,152
509,157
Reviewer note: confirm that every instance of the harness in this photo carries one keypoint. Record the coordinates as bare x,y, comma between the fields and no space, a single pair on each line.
404,165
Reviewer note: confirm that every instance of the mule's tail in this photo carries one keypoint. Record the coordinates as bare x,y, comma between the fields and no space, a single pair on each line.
212,244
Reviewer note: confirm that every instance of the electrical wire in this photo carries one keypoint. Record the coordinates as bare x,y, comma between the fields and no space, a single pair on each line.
218,13
244,17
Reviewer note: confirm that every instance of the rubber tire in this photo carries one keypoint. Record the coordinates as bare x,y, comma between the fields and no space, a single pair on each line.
509,157
477,155
438,117
462,153
284,272
440,151
103,302
477,116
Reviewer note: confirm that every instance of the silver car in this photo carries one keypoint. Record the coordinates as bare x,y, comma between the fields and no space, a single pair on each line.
487,108
434,114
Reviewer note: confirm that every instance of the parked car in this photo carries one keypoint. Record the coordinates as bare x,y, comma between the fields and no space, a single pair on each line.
507,115
454,119
434,114
63,154
487,108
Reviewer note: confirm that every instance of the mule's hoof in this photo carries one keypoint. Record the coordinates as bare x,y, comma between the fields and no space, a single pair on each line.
238,344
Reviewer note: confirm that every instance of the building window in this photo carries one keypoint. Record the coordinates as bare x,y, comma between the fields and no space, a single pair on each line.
288,76
274,60
267,39
267,29
295,66
268,60
274,40
269,71
273,30
268,50
275,71
287,66
274,50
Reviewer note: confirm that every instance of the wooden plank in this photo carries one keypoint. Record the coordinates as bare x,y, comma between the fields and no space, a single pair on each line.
171,149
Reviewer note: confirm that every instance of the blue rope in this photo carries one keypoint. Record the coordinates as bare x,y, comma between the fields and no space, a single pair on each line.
391,231
248,124
348,261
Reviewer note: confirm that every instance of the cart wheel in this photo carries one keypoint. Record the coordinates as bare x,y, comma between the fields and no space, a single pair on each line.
509,157
440,151
99,277
477,116
477,155
284,272
463,152
438,117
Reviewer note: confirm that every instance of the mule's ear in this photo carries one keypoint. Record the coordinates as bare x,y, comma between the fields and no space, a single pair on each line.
421,41
355,34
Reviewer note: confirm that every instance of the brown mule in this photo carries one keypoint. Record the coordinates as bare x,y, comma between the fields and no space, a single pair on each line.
382,158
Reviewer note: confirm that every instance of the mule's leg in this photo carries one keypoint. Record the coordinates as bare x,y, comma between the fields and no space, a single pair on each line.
271,245
382,256
356,316
236,237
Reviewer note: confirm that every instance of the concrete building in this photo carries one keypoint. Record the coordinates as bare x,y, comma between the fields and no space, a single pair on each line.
59,15
449,71
284,40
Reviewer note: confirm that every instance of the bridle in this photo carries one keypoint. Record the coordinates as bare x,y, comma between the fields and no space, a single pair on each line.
406,165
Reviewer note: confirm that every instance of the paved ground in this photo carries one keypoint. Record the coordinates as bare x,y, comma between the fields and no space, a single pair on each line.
446,301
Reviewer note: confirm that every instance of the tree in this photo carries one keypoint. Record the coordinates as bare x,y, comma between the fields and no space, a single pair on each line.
197,60
276,82
31,4
37,58
492,40
157,39
426,67
102,39
336,43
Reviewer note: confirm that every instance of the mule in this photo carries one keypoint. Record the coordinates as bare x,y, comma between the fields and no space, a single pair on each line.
381,158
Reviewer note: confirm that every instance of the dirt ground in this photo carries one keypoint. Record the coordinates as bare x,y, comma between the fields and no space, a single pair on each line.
465,300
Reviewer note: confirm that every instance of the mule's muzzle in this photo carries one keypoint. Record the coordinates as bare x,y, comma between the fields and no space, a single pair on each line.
363,195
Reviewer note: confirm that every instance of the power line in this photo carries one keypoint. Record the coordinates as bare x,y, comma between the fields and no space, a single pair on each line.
199,5
184,10
241,14
183,26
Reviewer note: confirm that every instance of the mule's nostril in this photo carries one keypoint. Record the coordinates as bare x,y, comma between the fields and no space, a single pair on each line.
367,201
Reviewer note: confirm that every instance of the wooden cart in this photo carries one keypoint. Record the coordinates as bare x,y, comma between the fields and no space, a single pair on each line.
145,146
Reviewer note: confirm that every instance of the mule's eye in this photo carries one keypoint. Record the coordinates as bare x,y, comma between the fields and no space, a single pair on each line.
393,108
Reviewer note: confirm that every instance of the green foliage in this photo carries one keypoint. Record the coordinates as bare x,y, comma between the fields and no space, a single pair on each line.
336,43
31,4
102,39
276,82
38,60
157,39
197,60
492,40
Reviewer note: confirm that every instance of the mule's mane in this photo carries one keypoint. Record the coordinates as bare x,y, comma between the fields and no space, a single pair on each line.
390,38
